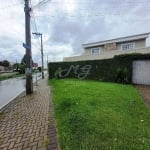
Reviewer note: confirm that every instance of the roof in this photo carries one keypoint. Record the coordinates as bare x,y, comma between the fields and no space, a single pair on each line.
118,40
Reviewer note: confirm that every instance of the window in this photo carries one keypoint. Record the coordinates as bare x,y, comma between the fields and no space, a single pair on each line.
95,50
127,46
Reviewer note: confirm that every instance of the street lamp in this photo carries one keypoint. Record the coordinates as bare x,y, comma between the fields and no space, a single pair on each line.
40,34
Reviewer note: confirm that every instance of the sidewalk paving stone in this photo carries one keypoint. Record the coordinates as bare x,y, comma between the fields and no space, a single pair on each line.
26,124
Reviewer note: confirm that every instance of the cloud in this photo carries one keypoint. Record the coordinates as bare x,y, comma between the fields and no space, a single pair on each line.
67,24
12,31
58,51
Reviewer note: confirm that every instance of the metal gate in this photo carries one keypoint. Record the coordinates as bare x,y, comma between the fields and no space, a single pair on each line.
141,72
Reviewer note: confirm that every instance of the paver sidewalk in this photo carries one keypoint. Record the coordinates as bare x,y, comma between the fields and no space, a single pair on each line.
26,124
144,91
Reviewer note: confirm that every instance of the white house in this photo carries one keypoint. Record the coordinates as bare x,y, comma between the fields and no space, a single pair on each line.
2,68
110,48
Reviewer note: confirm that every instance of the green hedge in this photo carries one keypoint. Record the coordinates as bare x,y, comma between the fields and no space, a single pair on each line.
117,69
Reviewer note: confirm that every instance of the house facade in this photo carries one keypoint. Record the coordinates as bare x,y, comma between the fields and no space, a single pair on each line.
2,68
109,48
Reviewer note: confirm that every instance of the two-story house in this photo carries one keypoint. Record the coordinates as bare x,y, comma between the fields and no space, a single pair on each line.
110,48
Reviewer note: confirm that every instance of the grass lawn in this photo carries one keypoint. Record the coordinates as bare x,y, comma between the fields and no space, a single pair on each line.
11,75
94,115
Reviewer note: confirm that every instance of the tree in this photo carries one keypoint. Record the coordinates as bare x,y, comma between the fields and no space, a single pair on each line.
6,63
1,63
15,66
21,68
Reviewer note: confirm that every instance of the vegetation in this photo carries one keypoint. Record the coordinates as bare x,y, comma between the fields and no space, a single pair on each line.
5,76
117,69
17,67
10,75
5,63
100,116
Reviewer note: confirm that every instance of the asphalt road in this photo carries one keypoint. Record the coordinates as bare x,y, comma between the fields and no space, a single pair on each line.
11,88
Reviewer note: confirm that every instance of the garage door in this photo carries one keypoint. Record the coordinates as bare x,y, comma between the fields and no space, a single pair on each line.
141,72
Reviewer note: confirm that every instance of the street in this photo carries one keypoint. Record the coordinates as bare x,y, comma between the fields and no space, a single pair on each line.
11,88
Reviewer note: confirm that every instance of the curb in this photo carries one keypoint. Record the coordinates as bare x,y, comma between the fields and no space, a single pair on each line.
11,101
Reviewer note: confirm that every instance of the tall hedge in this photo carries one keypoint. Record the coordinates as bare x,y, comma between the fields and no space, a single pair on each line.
117,69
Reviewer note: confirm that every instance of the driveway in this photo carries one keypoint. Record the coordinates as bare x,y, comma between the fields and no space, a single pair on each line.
144,91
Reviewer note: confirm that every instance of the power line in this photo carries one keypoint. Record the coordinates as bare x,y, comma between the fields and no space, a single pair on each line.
89,14
43,2
33,23
89,2
95,13
92,2
96,16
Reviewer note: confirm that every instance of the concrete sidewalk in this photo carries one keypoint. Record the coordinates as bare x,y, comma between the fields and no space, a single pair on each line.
27,123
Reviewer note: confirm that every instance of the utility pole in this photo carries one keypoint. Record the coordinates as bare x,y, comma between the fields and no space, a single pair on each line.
47,64
27,45
42,57
47,61
41,53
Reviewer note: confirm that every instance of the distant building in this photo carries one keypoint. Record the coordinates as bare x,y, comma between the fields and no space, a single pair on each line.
34,65
110,48
2,68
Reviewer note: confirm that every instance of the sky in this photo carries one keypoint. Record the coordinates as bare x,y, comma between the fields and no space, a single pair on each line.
67,24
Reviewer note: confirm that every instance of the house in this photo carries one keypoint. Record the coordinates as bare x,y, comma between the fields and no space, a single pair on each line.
2,69
109,48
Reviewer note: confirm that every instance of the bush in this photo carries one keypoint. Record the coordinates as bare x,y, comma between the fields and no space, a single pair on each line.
117,69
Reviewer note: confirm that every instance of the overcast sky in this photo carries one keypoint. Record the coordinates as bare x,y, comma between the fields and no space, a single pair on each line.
67,24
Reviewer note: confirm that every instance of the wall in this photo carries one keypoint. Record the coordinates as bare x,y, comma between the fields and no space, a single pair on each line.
107,55
115,46
2,68
138,44
87,51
